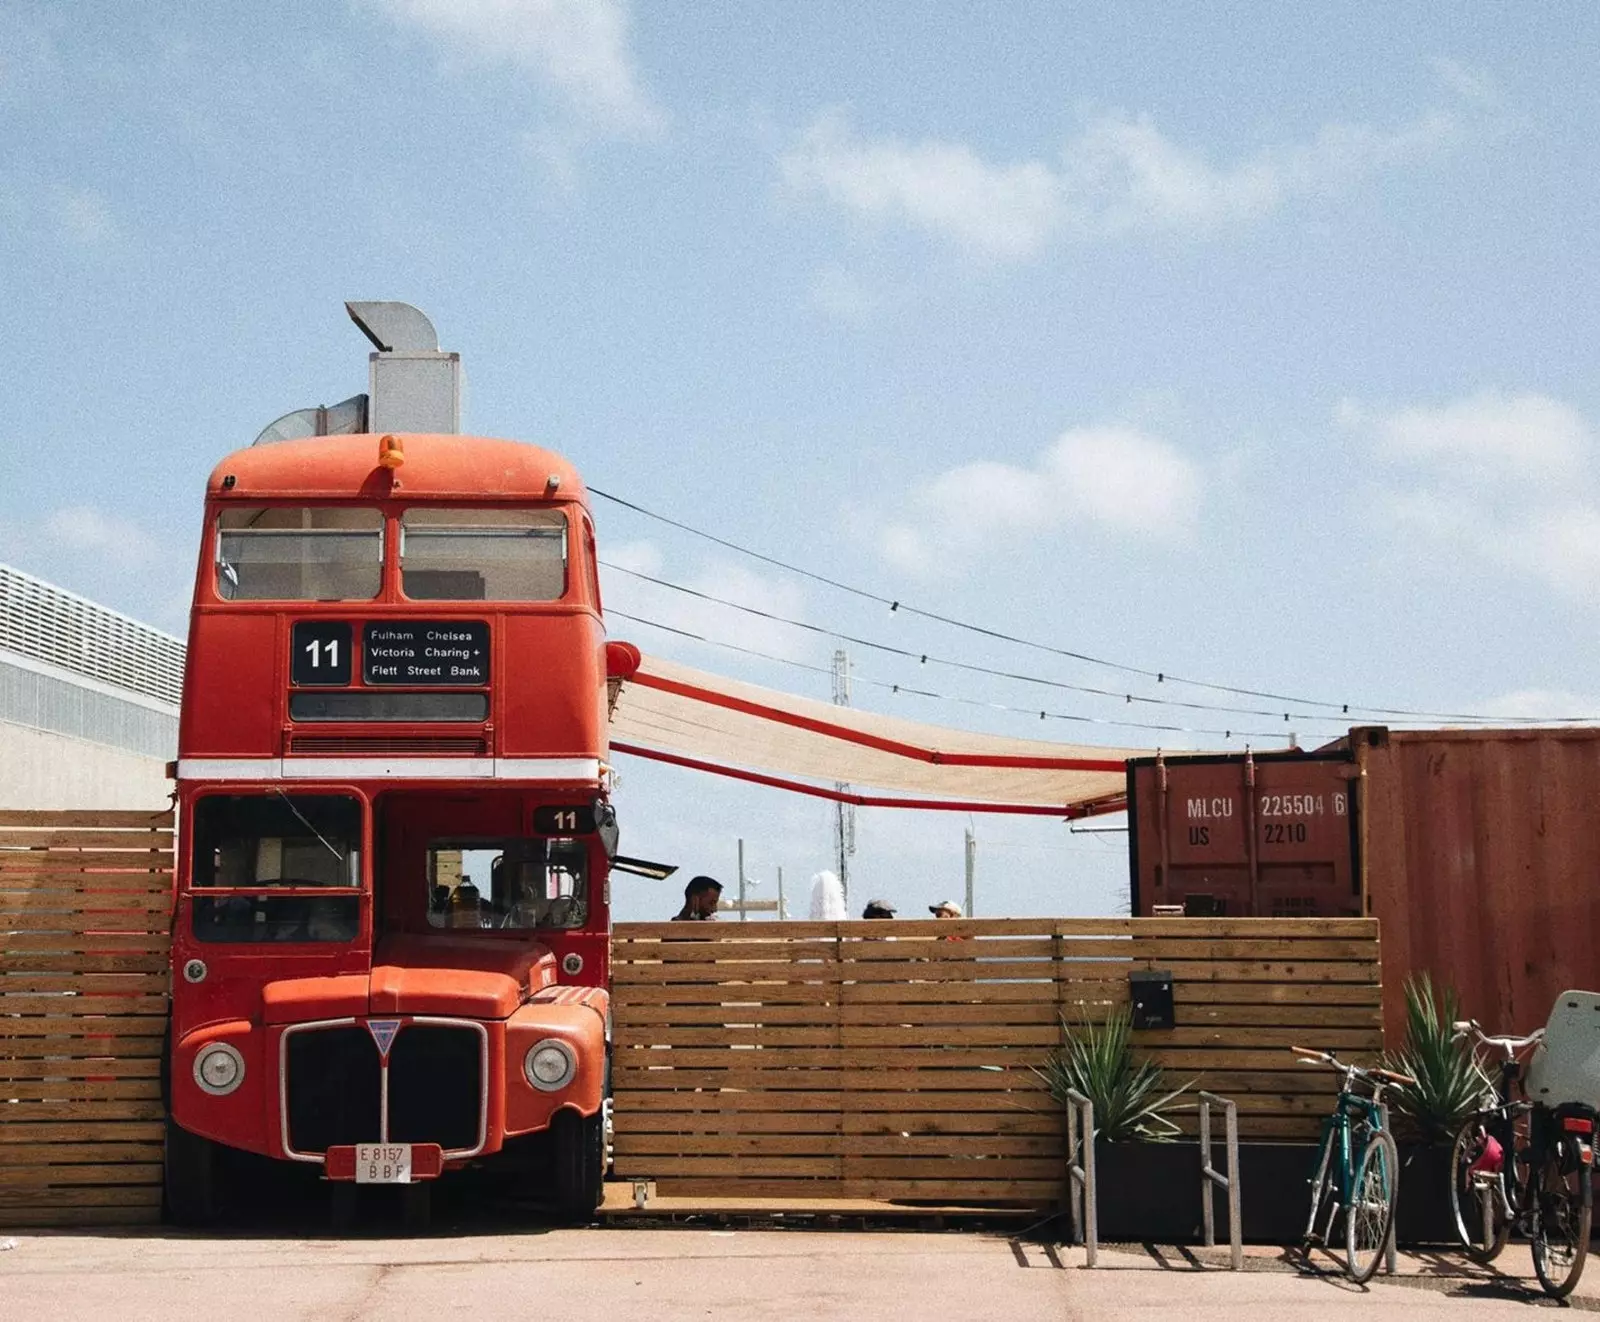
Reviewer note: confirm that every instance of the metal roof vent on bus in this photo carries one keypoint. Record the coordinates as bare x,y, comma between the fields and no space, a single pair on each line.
411,385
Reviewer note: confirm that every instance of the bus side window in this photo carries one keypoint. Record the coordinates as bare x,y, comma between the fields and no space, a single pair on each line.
591,564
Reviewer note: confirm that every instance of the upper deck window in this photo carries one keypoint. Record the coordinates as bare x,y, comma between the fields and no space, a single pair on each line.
483,555
299,553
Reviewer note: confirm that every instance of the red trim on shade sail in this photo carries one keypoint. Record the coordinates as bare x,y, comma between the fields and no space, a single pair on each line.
894,746
1117,804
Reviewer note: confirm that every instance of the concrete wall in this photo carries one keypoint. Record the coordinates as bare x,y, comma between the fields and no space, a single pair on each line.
44,769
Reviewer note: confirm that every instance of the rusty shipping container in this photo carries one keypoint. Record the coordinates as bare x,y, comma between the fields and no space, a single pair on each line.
1481,860
1267,835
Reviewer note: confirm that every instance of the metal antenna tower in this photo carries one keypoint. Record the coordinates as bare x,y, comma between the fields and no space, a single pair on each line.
845,821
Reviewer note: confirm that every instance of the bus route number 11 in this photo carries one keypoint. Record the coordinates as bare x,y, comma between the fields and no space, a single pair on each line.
319,652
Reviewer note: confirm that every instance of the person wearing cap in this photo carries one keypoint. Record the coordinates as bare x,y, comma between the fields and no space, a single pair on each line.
700,899
878,909
945,909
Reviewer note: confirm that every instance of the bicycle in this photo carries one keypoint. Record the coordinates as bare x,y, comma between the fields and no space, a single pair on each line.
1486,1199
1358,1169
1544,1190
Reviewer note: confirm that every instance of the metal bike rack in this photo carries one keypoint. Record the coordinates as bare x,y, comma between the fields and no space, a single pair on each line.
1082,1205
1209,1175
1390,1253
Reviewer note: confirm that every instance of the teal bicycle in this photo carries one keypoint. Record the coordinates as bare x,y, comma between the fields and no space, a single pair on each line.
1358,1168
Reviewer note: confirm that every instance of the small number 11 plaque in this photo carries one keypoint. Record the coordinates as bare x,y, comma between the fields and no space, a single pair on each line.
320,652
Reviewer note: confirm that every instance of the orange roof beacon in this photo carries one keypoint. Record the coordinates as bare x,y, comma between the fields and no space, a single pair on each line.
391,950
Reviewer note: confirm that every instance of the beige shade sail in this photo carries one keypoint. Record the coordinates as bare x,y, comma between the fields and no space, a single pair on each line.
675,714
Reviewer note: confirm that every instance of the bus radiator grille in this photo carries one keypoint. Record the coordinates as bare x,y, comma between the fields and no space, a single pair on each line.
333,1088
436,1086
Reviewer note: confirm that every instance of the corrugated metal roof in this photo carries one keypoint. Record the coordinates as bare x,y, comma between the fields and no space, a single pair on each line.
62,629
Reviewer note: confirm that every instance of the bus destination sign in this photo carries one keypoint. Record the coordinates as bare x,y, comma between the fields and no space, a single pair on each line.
425,652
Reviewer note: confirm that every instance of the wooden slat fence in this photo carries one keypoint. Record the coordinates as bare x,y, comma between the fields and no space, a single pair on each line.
85,902
825,1060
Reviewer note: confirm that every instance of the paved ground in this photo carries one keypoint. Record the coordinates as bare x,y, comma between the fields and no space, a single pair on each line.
677,1274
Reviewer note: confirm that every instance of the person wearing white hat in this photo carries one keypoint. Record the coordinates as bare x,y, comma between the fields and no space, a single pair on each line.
945,909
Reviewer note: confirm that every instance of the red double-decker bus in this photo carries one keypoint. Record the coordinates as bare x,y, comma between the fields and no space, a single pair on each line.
392,923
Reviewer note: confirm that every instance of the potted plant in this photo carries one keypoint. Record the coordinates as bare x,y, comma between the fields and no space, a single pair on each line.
1148,1184
1448,1088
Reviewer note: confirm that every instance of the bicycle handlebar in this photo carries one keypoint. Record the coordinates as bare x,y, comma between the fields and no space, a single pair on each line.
1310,1057
1470,1027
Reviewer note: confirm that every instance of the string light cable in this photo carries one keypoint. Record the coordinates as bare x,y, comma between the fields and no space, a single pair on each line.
1343,709
912,691
928,658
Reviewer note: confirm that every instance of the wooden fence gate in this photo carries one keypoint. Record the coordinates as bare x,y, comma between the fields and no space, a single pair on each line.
85,903
896,1060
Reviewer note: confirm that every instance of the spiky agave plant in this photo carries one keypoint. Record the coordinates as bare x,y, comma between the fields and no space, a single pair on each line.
1449,1085
1098,1063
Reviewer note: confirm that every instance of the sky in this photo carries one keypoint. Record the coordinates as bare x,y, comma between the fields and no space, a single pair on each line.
1253,344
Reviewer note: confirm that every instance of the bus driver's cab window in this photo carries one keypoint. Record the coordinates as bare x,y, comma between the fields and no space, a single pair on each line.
512,884
276,867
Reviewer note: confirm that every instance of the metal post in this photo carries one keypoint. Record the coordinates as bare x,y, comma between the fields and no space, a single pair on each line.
743,912
1209,1176
1082,1204
783,911
972,867
1390,1254
844,813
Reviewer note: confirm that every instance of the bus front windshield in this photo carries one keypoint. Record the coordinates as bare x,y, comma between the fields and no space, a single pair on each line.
515,883
249,848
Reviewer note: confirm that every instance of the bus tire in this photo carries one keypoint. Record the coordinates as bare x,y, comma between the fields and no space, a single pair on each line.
189,1177
578,1159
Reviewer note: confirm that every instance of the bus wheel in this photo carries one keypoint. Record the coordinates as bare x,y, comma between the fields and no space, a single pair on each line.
578,1152
189,1177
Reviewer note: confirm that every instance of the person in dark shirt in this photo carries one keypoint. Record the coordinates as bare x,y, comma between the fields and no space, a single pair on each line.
700,898
878,909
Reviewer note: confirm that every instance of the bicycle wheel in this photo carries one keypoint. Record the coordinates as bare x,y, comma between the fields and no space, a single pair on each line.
1370,1216
1562,1212
1321,1189
1478,1204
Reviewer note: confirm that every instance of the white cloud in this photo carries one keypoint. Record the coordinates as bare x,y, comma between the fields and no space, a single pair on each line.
579,48
89,529
1004,211
1562,545
1508,478
86,216
701,611
1487,437
1465,82
1119,174
1126,480
642,557
1541,705
1114,478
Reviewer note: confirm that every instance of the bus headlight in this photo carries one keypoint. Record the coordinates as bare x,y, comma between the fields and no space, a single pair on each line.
549,1065
219,1069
